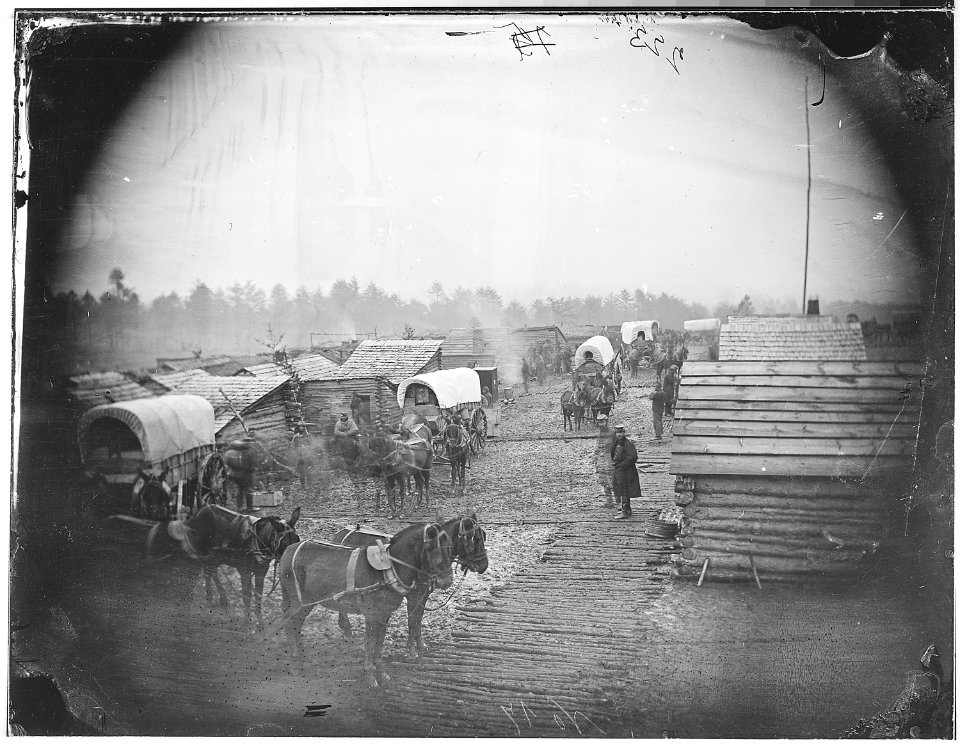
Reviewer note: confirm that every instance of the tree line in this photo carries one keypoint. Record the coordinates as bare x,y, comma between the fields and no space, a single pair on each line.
238,318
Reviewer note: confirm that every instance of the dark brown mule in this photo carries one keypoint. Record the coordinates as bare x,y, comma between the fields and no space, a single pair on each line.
216,535
468,549
417,456
370,582
271,537
572,404
458,452
151,495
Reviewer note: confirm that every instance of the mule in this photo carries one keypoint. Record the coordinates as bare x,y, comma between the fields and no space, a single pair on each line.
216,535
151,495
468,549
371,583
417,455
601,401
395,481
457,444
271,537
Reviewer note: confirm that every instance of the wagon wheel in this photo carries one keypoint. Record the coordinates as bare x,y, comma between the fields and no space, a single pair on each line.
478,432
211,482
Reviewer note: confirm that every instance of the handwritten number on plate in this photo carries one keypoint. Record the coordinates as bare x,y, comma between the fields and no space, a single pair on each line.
673,59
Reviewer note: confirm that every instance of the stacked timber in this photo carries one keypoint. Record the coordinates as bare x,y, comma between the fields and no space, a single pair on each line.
791,468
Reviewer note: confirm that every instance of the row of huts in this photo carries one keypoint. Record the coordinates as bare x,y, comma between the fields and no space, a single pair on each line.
273,396
792,452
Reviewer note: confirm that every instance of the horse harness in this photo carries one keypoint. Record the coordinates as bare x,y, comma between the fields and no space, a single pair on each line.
379,558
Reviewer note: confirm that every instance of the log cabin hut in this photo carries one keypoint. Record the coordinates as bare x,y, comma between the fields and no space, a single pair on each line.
789,465
372,372
472,347
261,401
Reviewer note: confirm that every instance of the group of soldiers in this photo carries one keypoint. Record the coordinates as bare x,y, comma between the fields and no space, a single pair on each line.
543,359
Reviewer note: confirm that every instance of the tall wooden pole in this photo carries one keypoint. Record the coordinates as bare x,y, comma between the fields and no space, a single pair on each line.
806,256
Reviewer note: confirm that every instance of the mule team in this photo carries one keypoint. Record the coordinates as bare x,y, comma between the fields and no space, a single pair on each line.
360,570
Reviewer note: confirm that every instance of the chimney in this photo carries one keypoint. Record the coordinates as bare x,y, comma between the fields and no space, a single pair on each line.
813,306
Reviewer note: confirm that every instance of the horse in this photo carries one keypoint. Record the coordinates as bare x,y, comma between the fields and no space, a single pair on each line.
417,456
395,480
468,550
567,408
371,583
152,495
458,451
600,401
572,404
216,535
271,537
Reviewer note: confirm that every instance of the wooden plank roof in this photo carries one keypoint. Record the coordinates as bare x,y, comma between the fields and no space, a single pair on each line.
796,418
90,390
243,392
314,365
807,338
393,360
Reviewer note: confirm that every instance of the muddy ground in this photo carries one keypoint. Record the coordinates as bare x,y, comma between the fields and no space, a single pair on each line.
578,627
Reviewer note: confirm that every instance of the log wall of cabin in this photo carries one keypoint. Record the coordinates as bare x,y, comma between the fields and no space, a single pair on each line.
268,418
324,400
790,526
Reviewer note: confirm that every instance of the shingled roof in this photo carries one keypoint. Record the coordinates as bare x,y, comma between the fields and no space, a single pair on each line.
393,360
243,392
311,365
89,390
791,339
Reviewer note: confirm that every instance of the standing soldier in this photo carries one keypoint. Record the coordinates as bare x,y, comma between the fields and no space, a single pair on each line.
567,360
525,374
670,389
626,482
601,459
301,451
659,399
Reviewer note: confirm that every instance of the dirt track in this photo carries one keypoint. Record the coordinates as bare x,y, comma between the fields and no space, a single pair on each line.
576,628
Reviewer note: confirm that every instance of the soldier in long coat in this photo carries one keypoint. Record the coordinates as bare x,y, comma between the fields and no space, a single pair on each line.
626,482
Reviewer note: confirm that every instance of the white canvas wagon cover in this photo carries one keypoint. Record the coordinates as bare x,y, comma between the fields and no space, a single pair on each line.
454,388
599,346
166,426
702,325
629,330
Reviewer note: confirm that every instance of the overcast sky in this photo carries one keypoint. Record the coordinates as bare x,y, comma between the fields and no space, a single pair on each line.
308,150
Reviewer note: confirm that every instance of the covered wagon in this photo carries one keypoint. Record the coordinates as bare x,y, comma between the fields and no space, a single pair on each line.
596,356
173,433
440,395
644,330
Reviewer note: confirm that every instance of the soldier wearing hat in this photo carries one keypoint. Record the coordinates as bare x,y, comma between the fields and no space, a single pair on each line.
601,458
659,403
345,431
626,482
